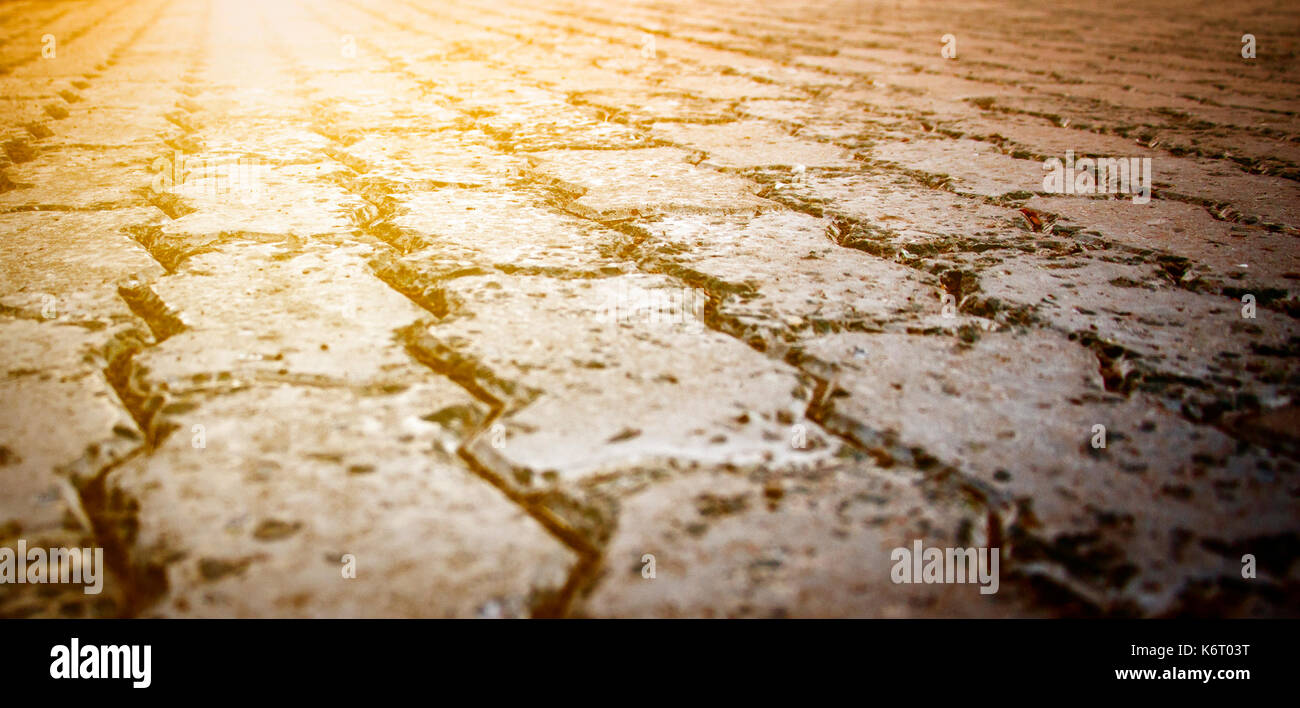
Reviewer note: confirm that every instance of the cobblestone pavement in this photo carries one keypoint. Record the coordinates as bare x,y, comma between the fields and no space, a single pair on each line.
650,309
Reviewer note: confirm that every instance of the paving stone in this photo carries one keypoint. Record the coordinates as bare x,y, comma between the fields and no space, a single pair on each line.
236,193
423,160
808,545
1238,255
724,88
80,178
749,263
592,347
625,330
823,118
915,216
601,181
101,126
274,141
644,106
1165,329
974,168
269,310
555,125
332,474
1051,140
71,426
458,229
751,144
67,266
1135,522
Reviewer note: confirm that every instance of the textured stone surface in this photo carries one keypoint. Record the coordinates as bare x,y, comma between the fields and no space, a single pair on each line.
288,481
803,545
519,295
601,183
1135,520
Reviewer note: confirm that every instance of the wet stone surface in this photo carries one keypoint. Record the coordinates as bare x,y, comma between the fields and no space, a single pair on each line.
403,309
